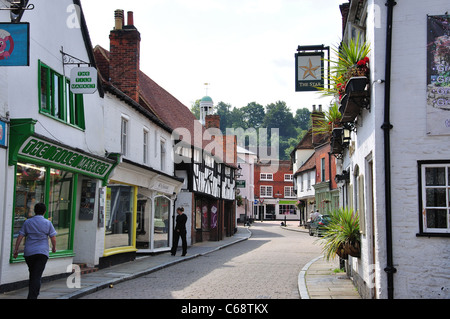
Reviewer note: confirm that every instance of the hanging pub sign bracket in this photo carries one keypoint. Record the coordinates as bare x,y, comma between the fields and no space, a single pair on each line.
83,80
71,60
309,67
17,9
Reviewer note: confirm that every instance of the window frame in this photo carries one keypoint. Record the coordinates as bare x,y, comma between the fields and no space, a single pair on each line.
266,187
124,135
47,186
67,107
289,192
267,177
423,229
145,145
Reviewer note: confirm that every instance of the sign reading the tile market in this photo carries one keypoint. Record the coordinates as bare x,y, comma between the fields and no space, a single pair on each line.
308,71
438,75
63,157
83,80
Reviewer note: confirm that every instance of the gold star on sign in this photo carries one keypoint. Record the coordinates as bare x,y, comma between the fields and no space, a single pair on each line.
309,70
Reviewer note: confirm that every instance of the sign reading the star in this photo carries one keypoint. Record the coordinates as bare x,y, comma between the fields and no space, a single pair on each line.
309,71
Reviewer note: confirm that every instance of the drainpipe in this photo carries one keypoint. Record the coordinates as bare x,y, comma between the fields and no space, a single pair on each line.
387,126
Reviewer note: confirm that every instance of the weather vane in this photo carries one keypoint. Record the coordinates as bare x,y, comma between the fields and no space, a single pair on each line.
206,87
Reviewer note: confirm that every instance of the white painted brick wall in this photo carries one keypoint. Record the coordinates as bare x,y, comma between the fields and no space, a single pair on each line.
422,263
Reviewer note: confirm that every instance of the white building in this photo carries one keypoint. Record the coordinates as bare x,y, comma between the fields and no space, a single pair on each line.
399,155
140,194
55,149
304,169
246,183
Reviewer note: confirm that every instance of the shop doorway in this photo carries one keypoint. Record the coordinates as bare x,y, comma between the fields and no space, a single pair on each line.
270,211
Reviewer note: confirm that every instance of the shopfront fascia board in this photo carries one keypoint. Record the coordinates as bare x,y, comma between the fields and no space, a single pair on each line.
26,145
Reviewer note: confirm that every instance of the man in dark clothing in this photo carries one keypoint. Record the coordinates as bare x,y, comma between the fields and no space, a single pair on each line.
36,230
180,231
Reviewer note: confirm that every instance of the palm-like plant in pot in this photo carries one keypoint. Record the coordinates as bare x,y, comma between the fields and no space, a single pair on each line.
341,236
351,61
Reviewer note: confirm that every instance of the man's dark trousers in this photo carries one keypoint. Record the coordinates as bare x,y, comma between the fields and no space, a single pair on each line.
176,238
36,265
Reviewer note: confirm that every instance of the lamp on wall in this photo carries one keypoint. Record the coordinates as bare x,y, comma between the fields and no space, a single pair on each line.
239,171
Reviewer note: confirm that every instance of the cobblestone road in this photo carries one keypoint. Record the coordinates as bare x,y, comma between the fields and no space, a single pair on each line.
265,266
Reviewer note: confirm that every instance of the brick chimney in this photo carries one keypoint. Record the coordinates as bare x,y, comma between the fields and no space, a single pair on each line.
212,121
125,43
317,117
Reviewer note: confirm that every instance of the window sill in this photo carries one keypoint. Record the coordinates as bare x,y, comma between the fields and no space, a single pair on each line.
433,235
61,121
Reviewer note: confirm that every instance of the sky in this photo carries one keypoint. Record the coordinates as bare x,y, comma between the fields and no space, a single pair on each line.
244,49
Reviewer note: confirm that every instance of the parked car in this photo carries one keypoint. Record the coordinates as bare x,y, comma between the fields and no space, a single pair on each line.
316,227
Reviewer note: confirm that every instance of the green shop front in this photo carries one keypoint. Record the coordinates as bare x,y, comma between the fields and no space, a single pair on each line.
68,180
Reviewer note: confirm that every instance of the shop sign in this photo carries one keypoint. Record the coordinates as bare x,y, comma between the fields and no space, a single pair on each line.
62,157
83,80
14,44
240,184
438,75
3,132
309,71
163,188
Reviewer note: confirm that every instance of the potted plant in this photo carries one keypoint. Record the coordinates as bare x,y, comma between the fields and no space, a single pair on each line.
341,235
352,61
332,119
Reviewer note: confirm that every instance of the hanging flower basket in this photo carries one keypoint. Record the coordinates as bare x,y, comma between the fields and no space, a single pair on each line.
341,252
353,249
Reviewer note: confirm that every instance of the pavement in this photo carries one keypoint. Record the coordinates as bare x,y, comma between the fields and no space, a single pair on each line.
317,279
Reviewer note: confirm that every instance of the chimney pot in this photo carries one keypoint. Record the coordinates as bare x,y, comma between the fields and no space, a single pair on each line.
118,19
130,18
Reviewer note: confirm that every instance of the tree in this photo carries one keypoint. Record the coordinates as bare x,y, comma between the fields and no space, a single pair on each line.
195,109
224,110
303,118
253,115
278,115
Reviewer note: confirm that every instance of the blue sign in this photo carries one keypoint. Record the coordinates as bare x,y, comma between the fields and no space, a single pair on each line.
3,131
14,44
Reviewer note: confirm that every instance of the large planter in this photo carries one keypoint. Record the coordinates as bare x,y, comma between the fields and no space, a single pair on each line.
357,97
349,249
342,253
353,249
336,141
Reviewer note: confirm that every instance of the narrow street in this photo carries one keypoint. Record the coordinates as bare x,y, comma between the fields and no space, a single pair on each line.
265,266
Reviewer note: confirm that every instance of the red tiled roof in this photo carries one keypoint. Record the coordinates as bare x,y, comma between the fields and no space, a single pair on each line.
164,106
308,165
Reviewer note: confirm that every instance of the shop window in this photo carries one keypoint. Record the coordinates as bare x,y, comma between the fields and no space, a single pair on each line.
287,210
161,222
119,216
36,184
56,99
143,220
60,206
435,197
